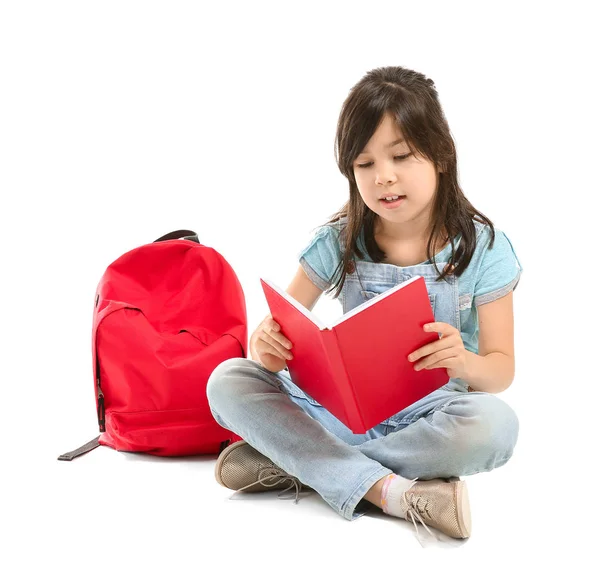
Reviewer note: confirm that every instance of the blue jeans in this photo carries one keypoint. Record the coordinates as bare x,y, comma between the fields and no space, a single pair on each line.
450,432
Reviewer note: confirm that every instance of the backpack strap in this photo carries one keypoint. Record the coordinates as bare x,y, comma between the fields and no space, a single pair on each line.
178,234
81,450
68,456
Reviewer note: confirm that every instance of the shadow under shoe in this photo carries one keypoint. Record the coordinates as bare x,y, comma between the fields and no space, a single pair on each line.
243,468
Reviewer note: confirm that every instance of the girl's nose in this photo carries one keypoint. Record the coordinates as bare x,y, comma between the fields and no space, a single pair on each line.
385,179
385,176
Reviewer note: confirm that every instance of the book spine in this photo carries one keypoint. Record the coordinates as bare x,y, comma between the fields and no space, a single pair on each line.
348,397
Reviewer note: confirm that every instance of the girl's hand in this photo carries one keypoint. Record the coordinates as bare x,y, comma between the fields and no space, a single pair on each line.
448,352
269,346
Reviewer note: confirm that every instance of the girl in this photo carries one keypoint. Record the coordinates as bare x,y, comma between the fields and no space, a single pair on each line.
406,215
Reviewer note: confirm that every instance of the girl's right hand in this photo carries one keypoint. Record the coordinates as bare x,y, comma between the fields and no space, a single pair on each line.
269,346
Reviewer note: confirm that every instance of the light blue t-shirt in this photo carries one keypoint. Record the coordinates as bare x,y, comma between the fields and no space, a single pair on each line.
491,274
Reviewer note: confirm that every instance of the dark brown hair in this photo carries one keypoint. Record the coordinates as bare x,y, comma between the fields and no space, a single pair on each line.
412,101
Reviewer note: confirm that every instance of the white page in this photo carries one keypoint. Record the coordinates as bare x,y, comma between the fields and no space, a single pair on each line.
374,300
312,317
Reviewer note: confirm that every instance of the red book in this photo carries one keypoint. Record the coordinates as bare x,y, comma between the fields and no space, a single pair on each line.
357,367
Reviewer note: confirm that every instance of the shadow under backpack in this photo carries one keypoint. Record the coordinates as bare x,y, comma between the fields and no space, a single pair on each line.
166,315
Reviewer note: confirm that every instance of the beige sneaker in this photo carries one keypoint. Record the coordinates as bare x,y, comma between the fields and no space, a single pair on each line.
440,503
242,468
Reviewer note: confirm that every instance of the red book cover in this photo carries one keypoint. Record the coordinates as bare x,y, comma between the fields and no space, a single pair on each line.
357,367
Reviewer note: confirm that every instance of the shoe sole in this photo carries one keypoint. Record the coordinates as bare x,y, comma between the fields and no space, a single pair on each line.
463,509
224,455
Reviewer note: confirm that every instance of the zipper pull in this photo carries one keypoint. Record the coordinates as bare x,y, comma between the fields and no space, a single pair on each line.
101,417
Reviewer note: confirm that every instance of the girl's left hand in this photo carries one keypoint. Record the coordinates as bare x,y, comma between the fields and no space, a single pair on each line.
448,352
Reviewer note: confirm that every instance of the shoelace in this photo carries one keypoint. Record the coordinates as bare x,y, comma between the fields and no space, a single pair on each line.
412,511
411,502
280,476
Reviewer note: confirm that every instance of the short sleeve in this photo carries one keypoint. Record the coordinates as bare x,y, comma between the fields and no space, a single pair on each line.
320,258
499,271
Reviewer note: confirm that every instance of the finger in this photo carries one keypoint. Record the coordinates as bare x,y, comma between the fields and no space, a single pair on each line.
276,345
434,359
263,348
431,348
274,329
451,362
279,337
440,326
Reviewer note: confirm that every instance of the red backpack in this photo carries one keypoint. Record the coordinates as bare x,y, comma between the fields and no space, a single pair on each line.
166,315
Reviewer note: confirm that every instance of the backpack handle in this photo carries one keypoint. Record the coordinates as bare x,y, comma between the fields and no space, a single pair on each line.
178,234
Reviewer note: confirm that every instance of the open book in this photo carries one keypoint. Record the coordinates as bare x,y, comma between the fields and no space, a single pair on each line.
357,367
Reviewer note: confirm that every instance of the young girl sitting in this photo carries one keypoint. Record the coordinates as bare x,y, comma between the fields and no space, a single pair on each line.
406,215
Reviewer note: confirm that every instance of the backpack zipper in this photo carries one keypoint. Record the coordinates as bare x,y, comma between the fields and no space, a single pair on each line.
100,400
101,417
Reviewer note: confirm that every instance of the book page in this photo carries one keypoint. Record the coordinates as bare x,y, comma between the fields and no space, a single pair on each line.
312,317
374,300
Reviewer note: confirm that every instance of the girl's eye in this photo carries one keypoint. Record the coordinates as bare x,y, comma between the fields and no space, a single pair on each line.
402,157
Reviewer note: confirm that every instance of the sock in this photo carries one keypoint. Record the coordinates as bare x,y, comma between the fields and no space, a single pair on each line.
391,494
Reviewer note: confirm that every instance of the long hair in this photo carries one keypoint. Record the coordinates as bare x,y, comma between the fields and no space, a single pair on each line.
412,100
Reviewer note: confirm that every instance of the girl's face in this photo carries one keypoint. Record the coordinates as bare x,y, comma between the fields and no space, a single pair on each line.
387,168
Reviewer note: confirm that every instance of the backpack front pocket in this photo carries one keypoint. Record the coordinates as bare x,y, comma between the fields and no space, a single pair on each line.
177,432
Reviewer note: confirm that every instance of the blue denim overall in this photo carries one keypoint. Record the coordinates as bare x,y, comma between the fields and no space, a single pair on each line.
450,432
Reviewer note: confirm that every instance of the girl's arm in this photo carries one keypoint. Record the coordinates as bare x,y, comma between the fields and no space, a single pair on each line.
493,369
303,289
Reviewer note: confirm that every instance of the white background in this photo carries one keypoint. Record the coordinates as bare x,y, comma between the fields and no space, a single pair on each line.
121,121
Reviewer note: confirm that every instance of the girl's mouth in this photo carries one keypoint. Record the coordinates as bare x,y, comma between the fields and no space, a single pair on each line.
393,203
